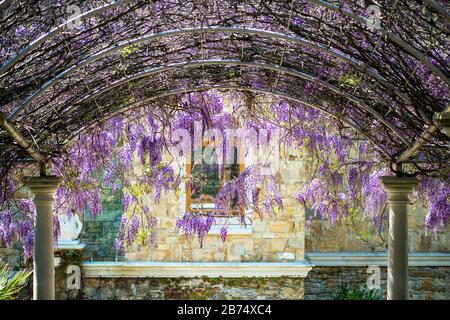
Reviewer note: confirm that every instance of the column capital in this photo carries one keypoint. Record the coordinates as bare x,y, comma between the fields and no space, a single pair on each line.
42,183
398,188
43,187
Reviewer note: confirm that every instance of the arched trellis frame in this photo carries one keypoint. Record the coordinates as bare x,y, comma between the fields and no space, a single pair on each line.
196,64
179,92
222,34
385,77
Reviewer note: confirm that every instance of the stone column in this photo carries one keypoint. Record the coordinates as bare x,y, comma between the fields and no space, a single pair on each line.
398,190
44,188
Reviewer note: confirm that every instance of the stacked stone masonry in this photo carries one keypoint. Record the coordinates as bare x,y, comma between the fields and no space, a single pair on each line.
425,283
193,288
279,237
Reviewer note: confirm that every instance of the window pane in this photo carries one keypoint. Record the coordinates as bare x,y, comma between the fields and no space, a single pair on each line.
206,182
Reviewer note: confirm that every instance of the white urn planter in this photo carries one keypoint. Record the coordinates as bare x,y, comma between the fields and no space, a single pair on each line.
70,229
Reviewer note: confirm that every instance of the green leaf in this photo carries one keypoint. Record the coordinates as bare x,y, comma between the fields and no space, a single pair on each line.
11,282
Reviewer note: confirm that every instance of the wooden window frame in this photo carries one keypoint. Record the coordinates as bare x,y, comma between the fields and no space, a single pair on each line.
188,201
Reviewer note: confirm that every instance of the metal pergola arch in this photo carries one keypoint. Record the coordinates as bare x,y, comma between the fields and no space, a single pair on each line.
173,92
88,104
269,34
397,79
294,73
393,37
420,56
99,10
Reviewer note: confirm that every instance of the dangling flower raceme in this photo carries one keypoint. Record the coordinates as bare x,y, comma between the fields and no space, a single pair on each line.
195,225
104,157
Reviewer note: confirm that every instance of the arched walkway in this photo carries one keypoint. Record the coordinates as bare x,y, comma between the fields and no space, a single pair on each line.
61,74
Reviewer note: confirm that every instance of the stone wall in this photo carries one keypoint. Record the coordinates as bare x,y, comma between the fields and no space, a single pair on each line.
99,233
278,237
359,234
192,288
275,237
425,283
322,283
65,277
12,256
281,236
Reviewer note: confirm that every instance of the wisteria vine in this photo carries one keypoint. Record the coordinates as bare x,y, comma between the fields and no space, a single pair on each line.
101,163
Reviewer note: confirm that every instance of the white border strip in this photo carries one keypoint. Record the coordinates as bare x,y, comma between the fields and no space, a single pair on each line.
195,269
342,259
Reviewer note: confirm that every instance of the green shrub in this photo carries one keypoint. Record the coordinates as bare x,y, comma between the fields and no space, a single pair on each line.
11,282
358,293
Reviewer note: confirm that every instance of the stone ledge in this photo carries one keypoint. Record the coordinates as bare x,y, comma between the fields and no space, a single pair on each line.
62,246
195,269
342,259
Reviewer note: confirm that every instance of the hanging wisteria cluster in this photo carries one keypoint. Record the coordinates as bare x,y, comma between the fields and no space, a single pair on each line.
104,160
95,86
16,224
61,73
101,163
